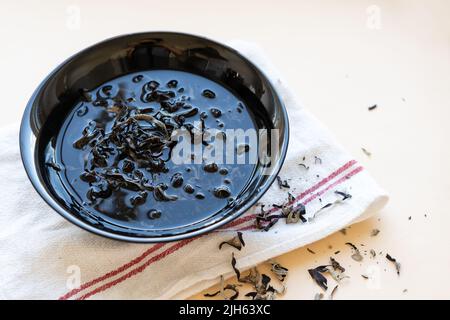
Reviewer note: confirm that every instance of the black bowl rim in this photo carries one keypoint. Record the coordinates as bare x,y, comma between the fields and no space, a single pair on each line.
28,159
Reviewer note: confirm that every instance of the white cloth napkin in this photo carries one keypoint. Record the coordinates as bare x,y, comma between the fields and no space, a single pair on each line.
45,257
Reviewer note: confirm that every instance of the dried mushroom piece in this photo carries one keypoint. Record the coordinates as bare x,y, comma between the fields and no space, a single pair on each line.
236,242
223,289
282,183
280,271
318,277
396,263
356,253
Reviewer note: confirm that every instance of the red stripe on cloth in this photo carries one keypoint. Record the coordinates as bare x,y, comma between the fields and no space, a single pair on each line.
152,260
114,272
234,223
139,269
334,184
299,197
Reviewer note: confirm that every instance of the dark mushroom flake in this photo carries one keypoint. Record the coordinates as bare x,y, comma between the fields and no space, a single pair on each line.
222,192
139,199
292,213
189,189
138,78
223,171
211,167
336,265
236,270
356,254
333,292
318,277
282,183
374,232
344,196
154,214
223,289
335,270
208,94
200,196
295,213
215,112
366,152
177,180
395,262
280,271
304,166
82,111
161,195
259,282
172,84
88,177
231,287
236,242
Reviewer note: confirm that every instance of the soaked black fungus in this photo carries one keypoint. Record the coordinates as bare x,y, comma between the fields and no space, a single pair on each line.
128,166
160,193
154,214
99,190
200,196
151,86
177,180
222,192
88,177
215,112
82,111
211,167
138,78
172,84
117,153
208,94
107,90
189,189
100,103
190,113
203,115
139,199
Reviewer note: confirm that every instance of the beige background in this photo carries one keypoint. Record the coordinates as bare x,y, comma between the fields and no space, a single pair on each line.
340,57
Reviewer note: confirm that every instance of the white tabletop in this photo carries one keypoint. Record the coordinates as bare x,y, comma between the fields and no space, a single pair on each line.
340,57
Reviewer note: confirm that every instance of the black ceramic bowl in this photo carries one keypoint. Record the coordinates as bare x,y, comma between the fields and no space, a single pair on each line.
57,94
